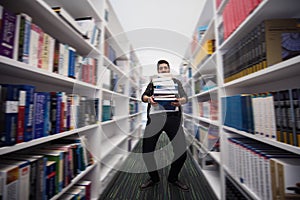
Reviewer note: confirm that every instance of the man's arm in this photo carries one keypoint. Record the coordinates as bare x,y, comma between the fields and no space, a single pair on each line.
147,96
182,99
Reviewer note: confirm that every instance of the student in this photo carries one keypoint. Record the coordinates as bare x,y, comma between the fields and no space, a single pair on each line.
170,121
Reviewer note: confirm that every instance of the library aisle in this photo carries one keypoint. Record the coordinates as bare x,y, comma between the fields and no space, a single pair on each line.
125,186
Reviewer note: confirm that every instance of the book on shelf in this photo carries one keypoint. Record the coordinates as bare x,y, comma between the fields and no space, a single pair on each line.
51,179
7,32
285,177
272,39
22,37
37,173
9,118
87,184
21,117
69,20
23,178
35,46
41,120
58,157
9,181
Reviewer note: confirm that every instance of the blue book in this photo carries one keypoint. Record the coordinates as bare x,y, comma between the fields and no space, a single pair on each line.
38,121
28,127
50,179
72,57
24,38
9,99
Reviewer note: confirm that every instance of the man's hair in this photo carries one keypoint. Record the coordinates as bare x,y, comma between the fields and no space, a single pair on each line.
162,62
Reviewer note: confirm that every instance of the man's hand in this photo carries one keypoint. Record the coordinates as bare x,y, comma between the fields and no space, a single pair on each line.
151,101
178,102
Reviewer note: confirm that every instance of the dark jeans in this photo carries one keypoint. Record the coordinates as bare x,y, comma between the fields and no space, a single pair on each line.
171,123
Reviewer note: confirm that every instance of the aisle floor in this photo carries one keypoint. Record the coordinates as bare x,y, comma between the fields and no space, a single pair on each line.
125,186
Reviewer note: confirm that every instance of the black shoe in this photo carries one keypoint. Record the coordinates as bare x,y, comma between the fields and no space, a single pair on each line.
180,185
148,184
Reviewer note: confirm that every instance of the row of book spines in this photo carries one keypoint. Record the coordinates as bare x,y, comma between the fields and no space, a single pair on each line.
260,48
257,166
208,109
30,44
235,12
273,114
45,172
29,114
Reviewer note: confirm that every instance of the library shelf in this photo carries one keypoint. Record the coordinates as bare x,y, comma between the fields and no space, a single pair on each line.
34,142
207,67
209,121
284,70
50,22
212,177
110,144
10,67
216,156
209,34
75,180
267,9
272,142
77,8
110,165
244,189
109,94
206,93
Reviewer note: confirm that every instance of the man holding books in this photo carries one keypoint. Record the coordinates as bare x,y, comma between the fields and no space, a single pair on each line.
164,96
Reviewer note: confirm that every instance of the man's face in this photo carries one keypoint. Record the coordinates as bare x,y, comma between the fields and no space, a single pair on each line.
163,68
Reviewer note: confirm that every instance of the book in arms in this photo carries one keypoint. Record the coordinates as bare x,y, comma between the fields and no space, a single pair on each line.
165,91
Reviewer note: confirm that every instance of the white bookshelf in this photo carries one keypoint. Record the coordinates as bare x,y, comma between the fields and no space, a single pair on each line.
103,139
277,77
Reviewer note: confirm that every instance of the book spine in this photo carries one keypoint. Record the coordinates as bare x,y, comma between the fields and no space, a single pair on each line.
71,63
39,121
21,117
51,53
7,34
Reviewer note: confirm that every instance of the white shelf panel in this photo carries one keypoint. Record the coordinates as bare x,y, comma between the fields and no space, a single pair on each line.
205,93
243,186
209,121
78,8
274,143
135,99
22,70
114,120
188,115
108,94
279,71
209,66
110,144
114,67
135,114
31,143
75,180
114,40
267,9
50,22
216,156
110,165
214,179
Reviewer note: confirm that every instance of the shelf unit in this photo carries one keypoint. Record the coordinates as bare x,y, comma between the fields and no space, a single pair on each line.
279,76
108,141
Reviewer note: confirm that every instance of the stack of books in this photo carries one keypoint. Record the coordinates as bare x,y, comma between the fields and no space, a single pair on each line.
165,91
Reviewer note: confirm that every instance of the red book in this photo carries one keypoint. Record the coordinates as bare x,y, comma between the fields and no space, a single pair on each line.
21,116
